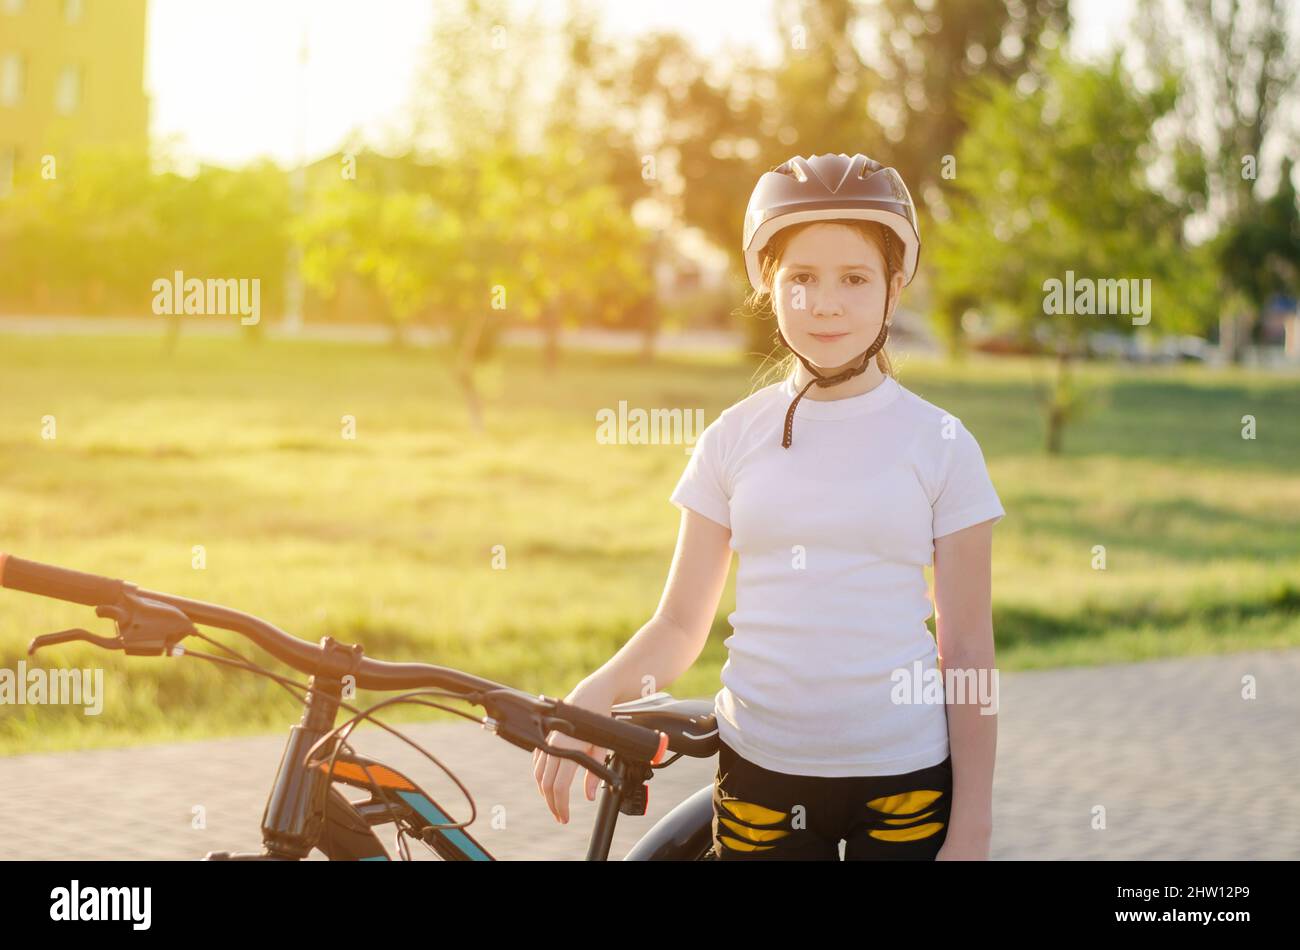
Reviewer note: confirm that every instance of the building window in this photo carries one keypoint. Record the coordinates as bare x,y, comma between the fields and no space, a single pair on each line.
8,165
12,69
72,10
67,94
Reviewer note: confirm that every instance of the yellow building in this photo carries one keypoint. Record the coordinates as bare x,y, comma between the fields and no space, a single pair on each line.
71,75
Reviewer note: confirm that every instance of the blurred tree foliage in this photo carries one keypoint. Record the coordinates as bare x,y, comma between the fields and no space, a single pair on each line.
1077,197
547,168
1236,66
880,78
930,54
1260,252
95,236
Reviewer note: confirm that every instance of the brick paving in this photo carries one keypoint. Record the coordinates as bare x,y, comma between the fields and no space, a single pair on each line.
1183,767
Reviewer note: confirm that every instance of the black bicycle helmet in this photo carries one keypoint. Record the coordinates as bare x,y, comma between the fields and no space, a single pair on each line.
824,188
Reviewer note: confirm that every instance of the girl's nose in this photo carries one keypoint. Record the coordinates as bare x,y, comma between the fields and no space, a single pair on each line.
825,303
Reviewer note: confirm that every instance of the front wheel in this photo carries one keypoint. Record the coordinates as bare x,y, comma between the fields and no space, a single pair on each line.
684,834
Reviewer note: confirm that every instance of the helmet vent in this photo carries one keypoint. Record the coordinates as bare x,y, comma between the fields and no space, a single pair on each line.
794,169
829,170
868,168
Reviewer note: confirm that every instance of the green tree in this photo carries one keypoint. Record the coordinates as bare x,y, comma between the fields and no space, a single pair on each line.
1260,253
388,237
929,55
1075,196
1238,63
88,236
96,236
223,224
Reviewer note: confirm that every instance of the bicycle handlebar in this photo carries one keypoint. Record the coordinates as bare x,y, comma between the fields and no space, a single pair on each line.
116,598
58,582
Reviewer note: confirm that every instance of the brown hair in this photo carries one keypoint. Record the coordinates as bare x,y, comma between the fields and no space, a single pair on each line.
759,303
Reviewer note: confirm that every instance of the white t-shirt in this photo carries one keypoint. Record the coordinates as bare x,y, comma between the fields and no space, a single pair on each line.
833,535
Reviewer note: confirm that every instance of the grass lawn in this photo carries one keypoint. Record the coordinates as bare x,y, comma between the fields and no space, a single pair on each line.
389,539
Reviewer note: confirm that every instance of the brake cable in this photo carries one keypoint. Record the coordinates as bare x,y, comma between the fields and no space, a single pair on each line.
289,684
414,697
350,725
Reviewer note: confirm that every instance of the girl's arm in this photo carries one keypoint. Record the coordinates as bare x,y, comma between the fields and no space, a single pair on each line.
658,654
964,626
674,637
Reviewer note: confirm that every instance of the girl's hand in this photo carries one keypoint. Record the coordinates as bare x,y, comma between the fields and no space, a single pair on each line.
555,775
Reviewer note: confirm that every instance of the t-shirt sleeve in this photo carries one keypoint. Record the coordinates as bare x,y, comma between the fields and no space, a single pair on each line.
704,487
966,495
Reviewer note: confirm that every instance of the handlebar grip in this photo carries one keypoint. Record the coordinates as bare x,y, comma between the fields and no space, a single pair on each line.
60,583
633,741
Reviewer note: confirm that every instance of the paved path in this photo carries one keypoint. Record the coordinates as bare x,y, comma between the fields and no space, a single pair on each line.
1183,766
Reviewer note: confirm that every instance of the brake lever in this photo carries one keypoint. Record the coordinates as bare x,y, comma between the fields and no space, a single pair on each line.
612,778
531,734
67,636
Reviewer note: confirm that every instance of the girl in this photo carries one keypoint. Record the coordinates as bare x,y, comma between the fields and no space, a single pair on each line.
824,735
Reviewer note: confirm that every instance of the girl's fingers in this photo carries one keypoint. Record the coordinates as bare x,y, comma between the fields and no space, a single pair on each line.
548,777
557,788
550,784
554,777
540,760
539,767
563,784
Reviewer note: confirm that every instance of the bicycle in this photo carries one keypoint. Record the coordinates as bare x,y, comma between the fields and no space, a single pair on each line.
305,809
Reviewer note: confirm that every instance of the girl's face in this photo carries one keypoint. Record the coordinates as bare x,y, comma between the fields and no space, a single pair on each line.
830,294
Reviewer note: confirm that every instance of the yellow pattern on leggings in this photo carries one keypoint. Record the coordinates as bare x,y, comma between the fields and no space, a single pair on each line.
749,815
907,808
907,811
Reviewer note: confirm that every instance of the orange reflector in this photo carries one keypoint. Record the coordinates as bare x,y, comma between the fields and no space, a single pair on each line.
380,775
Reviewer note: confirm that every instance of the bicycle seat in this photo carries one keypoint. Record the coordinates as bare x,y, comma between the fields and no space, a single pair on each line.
688,723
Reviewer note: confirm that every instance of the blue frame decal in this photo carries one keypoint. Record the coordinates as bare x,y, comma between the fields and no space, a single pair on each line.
456,836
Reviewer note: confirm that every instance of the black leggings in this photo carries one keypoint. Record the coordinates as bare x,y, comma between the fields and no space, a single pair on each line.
761,814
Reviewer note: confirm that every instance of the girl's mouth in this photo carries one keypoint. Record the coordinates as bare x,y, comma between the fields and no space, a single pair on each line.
828,337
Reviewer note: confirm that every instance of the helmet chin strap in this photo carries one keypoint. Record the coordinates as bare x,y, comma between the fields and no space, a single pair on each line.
818,379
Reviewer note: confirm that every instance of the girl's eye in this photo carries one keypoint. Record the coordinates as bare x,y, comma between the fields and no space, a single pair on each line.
857,279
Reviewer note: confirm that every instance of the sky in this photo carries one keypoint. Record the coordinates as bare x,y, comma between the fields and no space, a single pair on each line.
227,86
